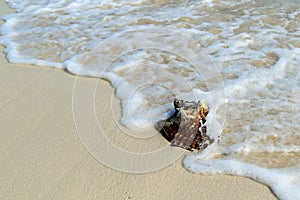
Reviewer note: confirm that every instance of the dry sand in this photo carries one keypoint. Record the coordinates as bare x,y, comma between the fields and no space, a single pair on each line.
42,157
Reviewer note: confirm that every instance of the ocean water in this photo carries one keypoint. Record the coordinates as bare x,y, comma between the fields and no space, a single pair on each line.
242,57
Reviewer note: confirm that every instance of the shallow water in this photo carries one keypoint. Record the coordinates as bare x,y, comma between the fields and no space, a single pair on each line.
241,56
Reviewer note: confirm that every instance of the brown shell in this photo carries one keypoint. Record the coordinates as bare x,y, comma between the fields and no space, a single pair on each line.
186,127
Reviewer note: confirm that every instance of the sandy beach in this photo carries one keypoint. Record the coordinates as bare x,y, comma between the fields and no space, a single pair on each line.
42,157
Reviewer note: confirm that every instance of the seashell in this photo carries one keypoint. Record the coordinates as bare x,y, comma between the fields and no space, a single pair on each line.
186,128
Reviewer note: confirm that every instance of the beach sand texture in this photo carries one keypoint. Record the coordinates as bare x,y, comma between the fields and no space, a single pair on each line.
42,157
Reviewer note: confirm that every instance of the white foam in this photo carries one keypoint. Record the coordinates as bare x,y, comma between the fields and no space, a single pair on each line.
285,183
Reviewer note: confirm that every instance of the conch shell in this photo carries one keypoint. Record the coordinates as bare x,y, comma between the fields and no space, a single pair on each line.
186,128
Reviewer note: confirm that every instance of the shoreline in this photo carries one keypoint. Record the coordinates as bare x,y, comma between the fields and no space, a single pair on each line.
42,156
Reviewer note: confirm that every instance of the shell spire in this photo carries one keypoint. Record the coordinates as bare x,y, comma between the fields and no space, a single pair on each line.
202,109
